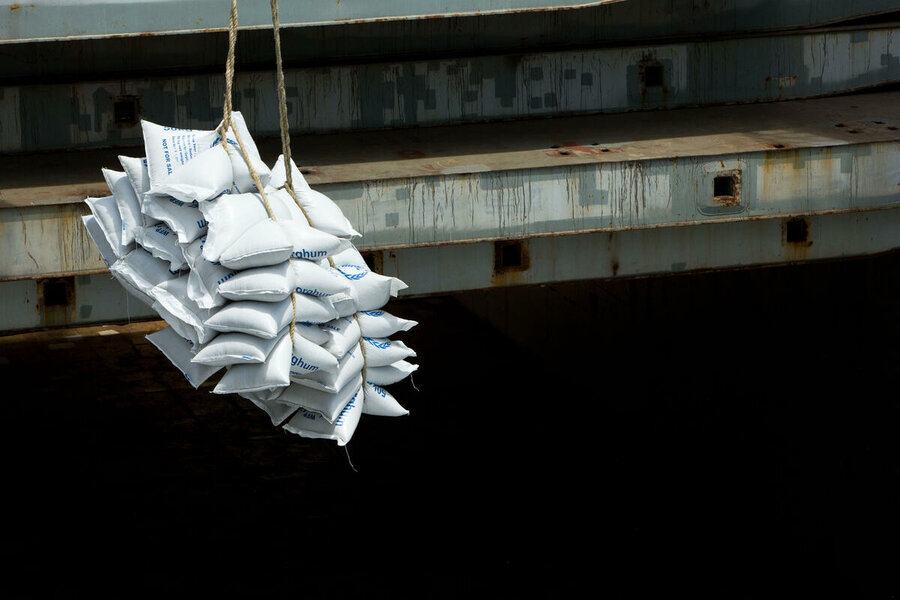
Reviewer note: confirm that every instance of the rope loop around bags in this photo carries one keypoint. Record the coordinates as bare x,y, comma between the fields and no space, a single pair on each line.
282,110
226,125
227,109
284,127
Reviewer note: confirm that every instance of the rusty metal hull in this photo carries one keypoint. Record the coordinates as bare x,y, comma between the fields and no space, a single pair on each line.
679,169
513,20
77,19
448,268
459,90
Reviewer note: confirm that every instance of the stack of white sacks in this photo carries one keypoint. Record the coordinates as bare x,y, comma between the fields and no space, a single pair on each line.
186,231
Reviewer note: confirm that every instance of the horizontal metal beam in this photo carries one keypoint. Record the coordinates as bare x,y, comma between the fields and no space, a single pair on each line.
71,19
441,92
632,23
48,20
686,190
98,298
617,196
358,160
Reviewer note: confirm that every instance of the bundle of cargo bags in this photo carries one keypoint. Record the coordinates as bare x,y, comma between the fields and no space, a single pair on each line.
267,286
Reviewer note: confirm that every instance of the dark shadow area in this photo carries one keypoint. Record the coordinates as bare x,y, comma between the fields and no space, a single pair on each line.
727,435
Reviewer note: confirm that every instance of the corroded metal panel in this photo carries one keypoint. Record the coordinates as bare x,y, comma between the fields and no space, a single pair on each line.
45,240
373,156
674,169
614,196
98,298
620,195
55,19
643,252
615,21
447,91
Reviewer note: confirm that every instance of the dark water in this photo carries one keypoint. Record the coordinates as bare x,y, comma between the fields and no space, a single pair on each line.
726,435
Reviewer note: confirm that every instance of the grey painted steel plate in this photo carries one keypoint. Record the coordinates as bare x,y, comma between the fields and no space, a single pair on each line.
476,183
98,298
416,92
42,20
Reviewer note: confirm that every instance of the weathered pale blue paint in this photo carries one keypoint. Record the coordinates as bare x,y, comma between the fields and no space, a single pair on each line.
553,201
67,19
450,268
438,92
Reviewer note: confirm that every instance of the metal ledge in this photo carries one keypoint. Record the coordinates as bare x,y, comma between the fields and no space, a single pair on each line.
98,298
419,92
365,157
470,185
42,20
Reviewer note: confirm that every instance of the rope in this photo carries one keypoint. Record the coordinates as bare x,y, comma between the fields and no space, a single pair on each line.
282,100
286,145
229,71
227,107
282,109
226,125
285,136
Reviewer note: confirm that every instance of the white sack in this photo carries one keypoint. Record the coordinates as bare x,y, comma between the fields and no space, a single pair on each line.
160,241
261,244
317,279
169,149
140,271
181,328
96,232
267,395
311,332
381,352
262,319
106,211
235,348
380,402
309,357
390,373
331,381
382,324
313,425
273,283
136,171
178,351
310,309
343,334
242,180
205,277
310,243
278,411
323,213
127,202
273,373
229,216
327,404
371,290
172,295
184,218
278,178
203,177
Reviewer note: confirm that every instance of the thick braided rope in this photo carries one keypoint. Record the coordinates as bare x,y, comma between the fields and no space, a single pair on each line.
282,109
229,71
226,125
286,145
227,108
